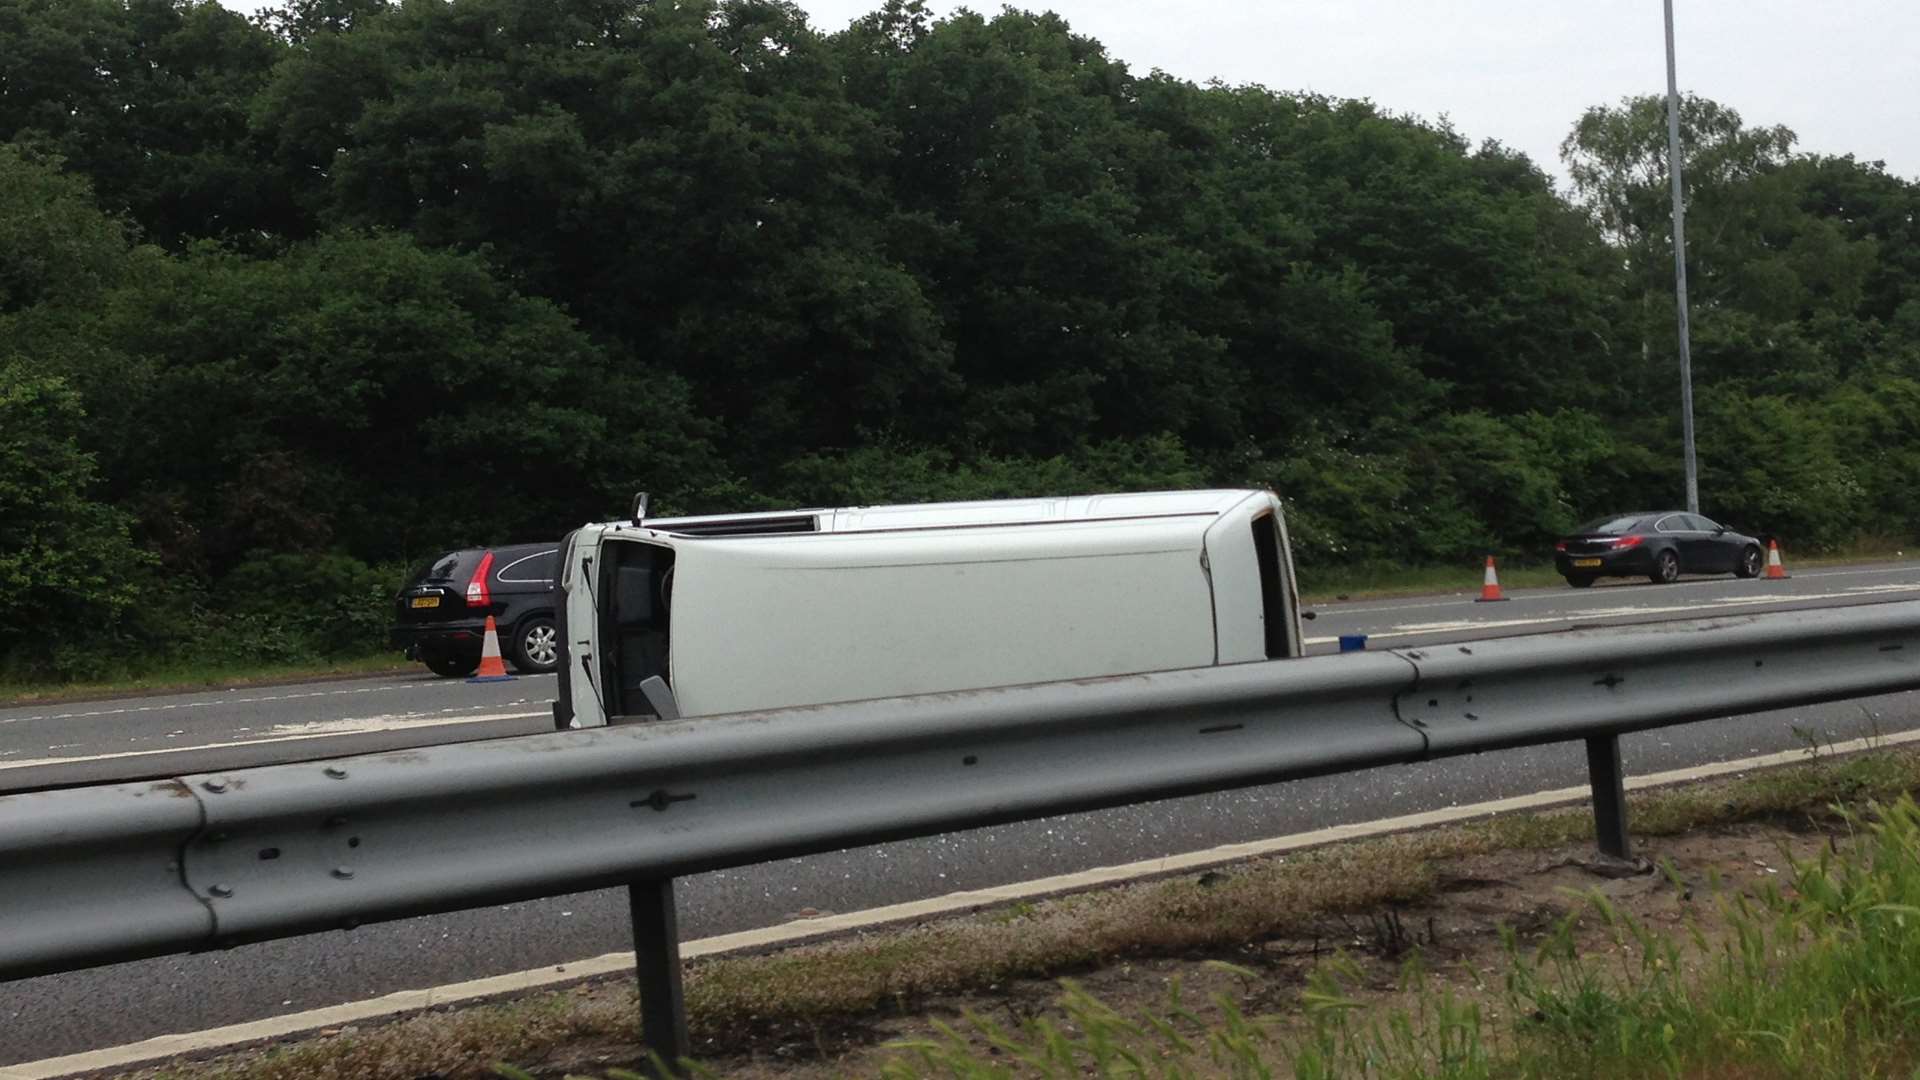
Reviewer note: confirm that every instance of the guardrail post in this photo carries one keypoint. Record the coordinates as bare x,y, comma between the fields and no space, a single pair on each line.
1609,796
656,953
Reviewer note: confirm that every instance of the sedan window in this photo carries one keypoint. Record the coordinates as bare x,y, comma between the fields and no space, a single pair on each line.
1611,525
1702,524
1673,523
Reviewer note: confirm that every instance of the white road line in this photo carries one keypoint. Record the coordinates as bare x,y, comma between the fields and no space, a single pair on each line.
223,701
1422,629
408,1001
286,732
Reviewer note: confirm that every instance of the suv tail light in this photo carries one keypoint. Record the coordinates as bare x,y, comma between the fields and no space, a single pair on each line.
1620,544
478,594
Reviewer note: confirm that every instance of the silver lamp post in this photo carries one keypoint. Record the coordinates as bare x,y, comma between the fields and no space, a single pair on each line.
1680,271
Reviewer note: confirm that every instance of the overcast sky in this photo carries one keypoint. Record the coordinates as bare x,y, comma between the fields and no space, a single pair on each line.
1842,74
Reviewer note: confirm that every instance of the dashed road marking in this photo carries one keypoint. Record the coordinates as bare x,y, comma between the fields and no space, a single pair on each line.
440,684
307,730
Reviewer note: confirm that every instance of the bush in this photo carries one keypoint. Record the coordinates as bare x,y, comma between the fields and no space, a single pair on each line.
892,474
69,571
288,606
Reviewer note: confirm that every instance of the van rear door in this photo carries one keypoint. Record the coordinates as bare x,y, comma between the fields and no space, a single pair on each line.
617,586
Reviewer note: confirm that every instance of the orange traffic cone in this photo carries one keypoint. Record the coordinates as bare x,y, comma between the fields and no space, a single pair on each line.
491,669
1775,569
1490,589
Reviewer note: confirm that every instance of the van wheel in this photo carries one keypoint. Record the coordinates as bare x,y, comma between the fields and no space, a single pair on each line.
536,646
450,667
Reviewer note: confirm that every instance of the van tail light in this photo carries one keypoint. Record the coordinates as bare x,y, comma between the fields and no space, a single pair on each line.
1560,545
478,594
1618,545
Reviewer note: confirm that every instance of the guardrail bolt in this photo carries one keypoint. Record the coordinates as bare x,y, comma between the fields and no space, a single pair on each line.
342,872
221,890
215,785
336,772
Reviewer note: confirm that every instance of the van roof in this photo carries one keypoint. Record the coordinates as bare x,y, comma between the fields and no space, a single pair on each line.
979,513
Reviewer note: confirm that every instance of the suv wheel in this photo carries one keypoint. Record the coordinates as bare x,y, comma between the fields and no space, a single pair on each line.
450,666
536,646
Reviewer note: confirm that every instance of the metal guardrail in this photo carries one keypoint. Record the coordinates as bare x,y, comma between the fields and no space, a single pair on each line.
100,874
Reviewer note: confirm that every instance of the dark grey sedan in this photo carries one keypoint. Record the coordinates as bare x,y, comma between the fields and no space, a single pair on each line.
1659,545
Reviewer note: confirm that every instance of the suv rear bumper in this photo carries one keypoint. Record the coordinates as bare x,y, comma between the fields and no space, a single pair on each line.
449,638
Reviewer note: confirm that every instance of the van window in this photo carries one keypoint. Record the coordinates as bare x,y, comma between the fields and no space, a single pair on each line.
1273,603
636,595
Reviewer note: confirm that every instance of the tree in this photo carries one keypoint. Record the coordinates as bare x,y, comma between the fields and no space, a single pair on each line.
55,246
682,178
363,394
148,99
1616,157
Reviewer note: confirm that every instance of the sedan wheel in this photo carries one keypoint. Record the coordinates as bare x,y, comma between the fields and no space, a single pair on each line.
1580,581
1666,568
536,648
1749,563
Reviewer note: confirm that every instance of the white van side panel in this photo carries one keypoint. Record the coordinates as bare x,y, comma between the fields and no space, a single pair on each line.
773,622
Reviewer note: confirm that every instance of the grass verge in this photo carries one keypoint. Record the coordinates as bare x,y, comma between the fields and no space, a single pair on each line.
189,676
1819,979
792,994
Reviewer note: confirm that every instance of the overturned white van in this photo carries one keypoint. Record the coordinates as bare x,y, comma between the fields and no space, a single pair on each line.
696,616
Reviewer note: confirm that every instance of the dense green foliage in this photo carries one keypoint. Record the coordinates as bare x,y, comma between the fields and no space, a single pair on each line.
358,280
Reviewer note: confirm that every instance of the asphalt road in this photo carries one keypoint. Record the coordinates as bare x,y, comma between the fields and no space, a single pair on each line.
66,1013
1416,620
127,729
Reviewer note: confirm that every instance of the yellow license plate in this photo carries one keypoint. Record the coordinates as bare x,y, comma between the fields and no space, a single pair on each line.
1576,562
434,601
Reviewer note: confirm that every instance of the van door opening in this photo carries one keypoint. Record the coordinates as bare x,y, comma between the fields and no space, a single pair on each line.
636,590
1273,593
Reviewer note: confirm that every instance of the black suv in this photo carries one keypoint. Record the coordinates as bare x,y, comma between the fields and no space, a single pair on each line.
440,618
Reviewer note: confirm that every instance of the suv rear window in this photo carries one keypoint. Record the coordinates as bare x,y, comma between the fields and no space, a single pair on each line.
537,568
